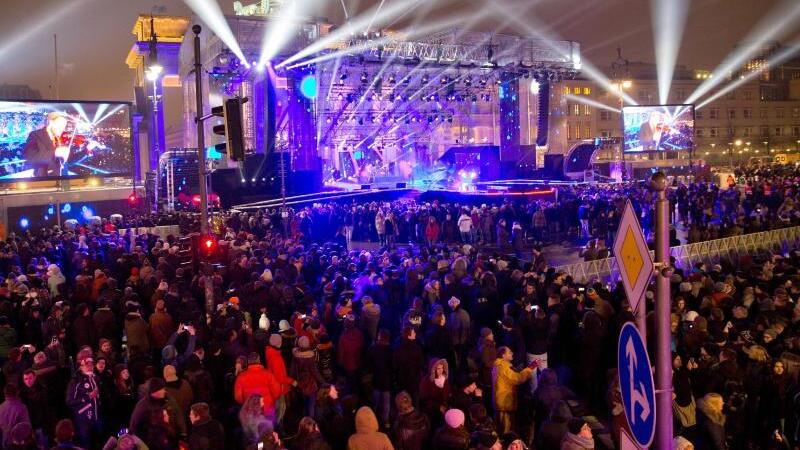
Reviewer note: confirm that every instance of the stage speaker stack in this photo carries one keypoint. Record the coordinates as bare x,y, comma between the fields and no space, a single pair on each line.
554,166
544,114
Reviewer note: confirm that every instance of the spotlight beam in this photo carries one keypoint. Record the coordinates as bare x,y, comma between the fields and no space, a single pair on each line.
770,28
590,102
366,45
779,58
279,32
39,24
588,69
352,27
669,20
377,10
108,114
100,110
211,14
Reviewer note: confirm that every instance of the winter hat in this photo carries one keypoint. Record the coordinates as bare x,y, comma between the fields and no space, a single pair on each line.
454,418
169,353
485,332
509,438
163,286
154,385
689,316
485,440
681,443
771,333
275,340
170,374
685,287
403,402
575,424
283,325
303,343
21,433
263,322
453,302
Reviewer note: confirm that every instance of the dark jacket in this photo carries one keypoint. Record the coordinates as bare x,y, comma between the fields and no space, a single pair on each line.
146,405
408,362
105,324
379,360
304,370
38,403
207,435
447,438
78,396
313,441
411,430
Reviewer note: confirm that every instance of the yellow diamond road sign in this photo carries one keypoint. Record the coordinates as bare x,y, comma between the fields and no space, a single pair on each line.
633,257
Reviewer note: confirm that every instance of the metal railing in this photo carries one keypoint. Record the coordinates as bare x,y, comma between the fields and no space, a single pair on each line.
781,240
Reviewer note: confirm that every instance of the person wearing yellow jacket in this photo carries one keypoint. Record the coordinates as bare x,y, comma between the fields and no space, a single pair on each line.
504,387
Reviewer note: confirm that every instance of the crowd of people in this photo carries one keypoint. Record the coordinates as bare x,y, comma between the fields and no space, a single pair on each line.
464,339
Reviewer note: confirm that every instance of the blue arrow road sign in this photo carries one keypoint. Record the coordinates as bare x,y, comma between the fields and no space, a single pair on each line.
636,384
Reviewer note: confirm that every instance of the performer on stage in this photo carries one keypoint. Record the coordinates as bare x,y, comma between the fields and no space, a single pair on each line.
650,132
44,151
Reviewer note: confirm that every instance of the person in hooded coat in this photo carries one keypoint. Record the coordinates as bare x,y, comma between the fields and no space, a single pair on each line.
411,427
367,436
434,392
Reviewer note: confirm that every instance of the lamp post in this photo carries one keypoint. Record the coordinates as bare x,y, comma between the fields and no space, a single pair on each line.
738,144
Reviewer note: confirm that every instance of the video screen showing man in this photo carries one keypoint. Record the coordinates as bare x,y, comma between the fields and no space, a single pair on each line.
651,130
49,140
45,150
658,128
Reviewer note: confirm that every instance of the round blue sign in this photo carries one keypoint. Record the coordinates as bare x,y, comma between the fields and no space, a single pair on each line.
636,385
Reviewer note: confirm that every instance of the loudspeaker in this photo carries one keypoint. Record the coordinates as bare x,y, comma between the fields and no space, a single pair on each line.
401,185
365,186
554,166
543,114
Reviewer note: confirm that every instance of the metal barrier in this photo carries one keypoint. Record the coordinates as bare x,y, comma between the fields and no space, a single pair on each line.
161,230
781,240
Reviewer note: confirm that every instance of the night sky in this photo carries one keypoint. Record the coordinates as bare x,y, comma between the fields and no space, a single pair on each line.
95,35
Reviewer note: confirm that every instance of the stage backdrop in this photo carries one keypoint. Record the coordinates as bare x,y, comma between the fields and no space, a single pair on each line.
52,140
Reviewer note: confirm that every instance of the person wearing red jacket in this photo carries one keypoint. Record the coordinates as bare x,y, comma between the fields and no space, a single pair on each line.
257,380
277,367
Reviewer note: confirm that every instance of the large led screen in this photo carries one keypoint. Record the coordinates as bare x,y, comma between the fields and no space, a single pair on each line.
52,140
658,128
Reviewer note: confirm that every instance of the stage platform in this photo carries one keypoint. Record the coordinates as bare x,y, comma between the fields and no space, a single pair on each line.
488,192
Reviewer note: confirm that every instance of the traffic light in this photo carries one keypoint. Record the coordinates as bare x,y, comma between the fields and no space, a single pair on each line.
205,247
231,128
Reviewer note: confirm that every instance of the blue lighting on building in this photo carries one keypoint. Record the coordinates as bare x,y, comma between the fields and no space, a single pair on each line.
66,208
24,222
87,212
308,86
51,210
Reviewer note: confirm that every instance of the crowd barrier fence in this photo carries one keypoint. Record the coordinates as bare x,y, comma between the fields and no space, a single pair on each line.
686,256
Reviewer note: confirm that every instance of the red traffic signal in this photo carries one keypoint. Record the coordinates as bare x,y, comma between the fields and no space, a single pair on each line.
208,243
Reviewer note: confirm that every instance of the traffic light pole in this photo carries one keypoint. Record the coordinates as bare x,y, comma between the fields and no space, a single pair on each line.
663,370
201,158
201,146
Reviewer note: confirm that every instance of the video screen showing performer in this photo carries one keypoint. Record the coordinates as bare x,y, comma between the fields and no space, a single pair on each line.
51,140
658,128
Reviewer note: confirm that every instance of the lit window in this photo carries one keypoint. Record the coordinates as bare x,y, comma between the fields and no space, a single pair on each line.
566,90
577,90
587,110
577,131
569,132
587,91
577,109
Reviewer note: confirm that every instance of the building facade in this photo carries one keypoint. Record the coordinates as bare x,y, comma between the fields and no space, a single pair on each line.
760,117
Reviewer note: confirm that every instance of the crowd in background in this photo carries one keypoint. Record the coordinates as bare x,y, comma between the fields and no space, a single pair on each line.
464,340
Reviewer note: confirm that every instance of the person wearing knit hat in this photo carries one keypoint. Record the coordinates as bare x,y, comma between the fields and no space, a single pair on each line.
283,325
486,441
303,343
579,435
681,443
454,418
